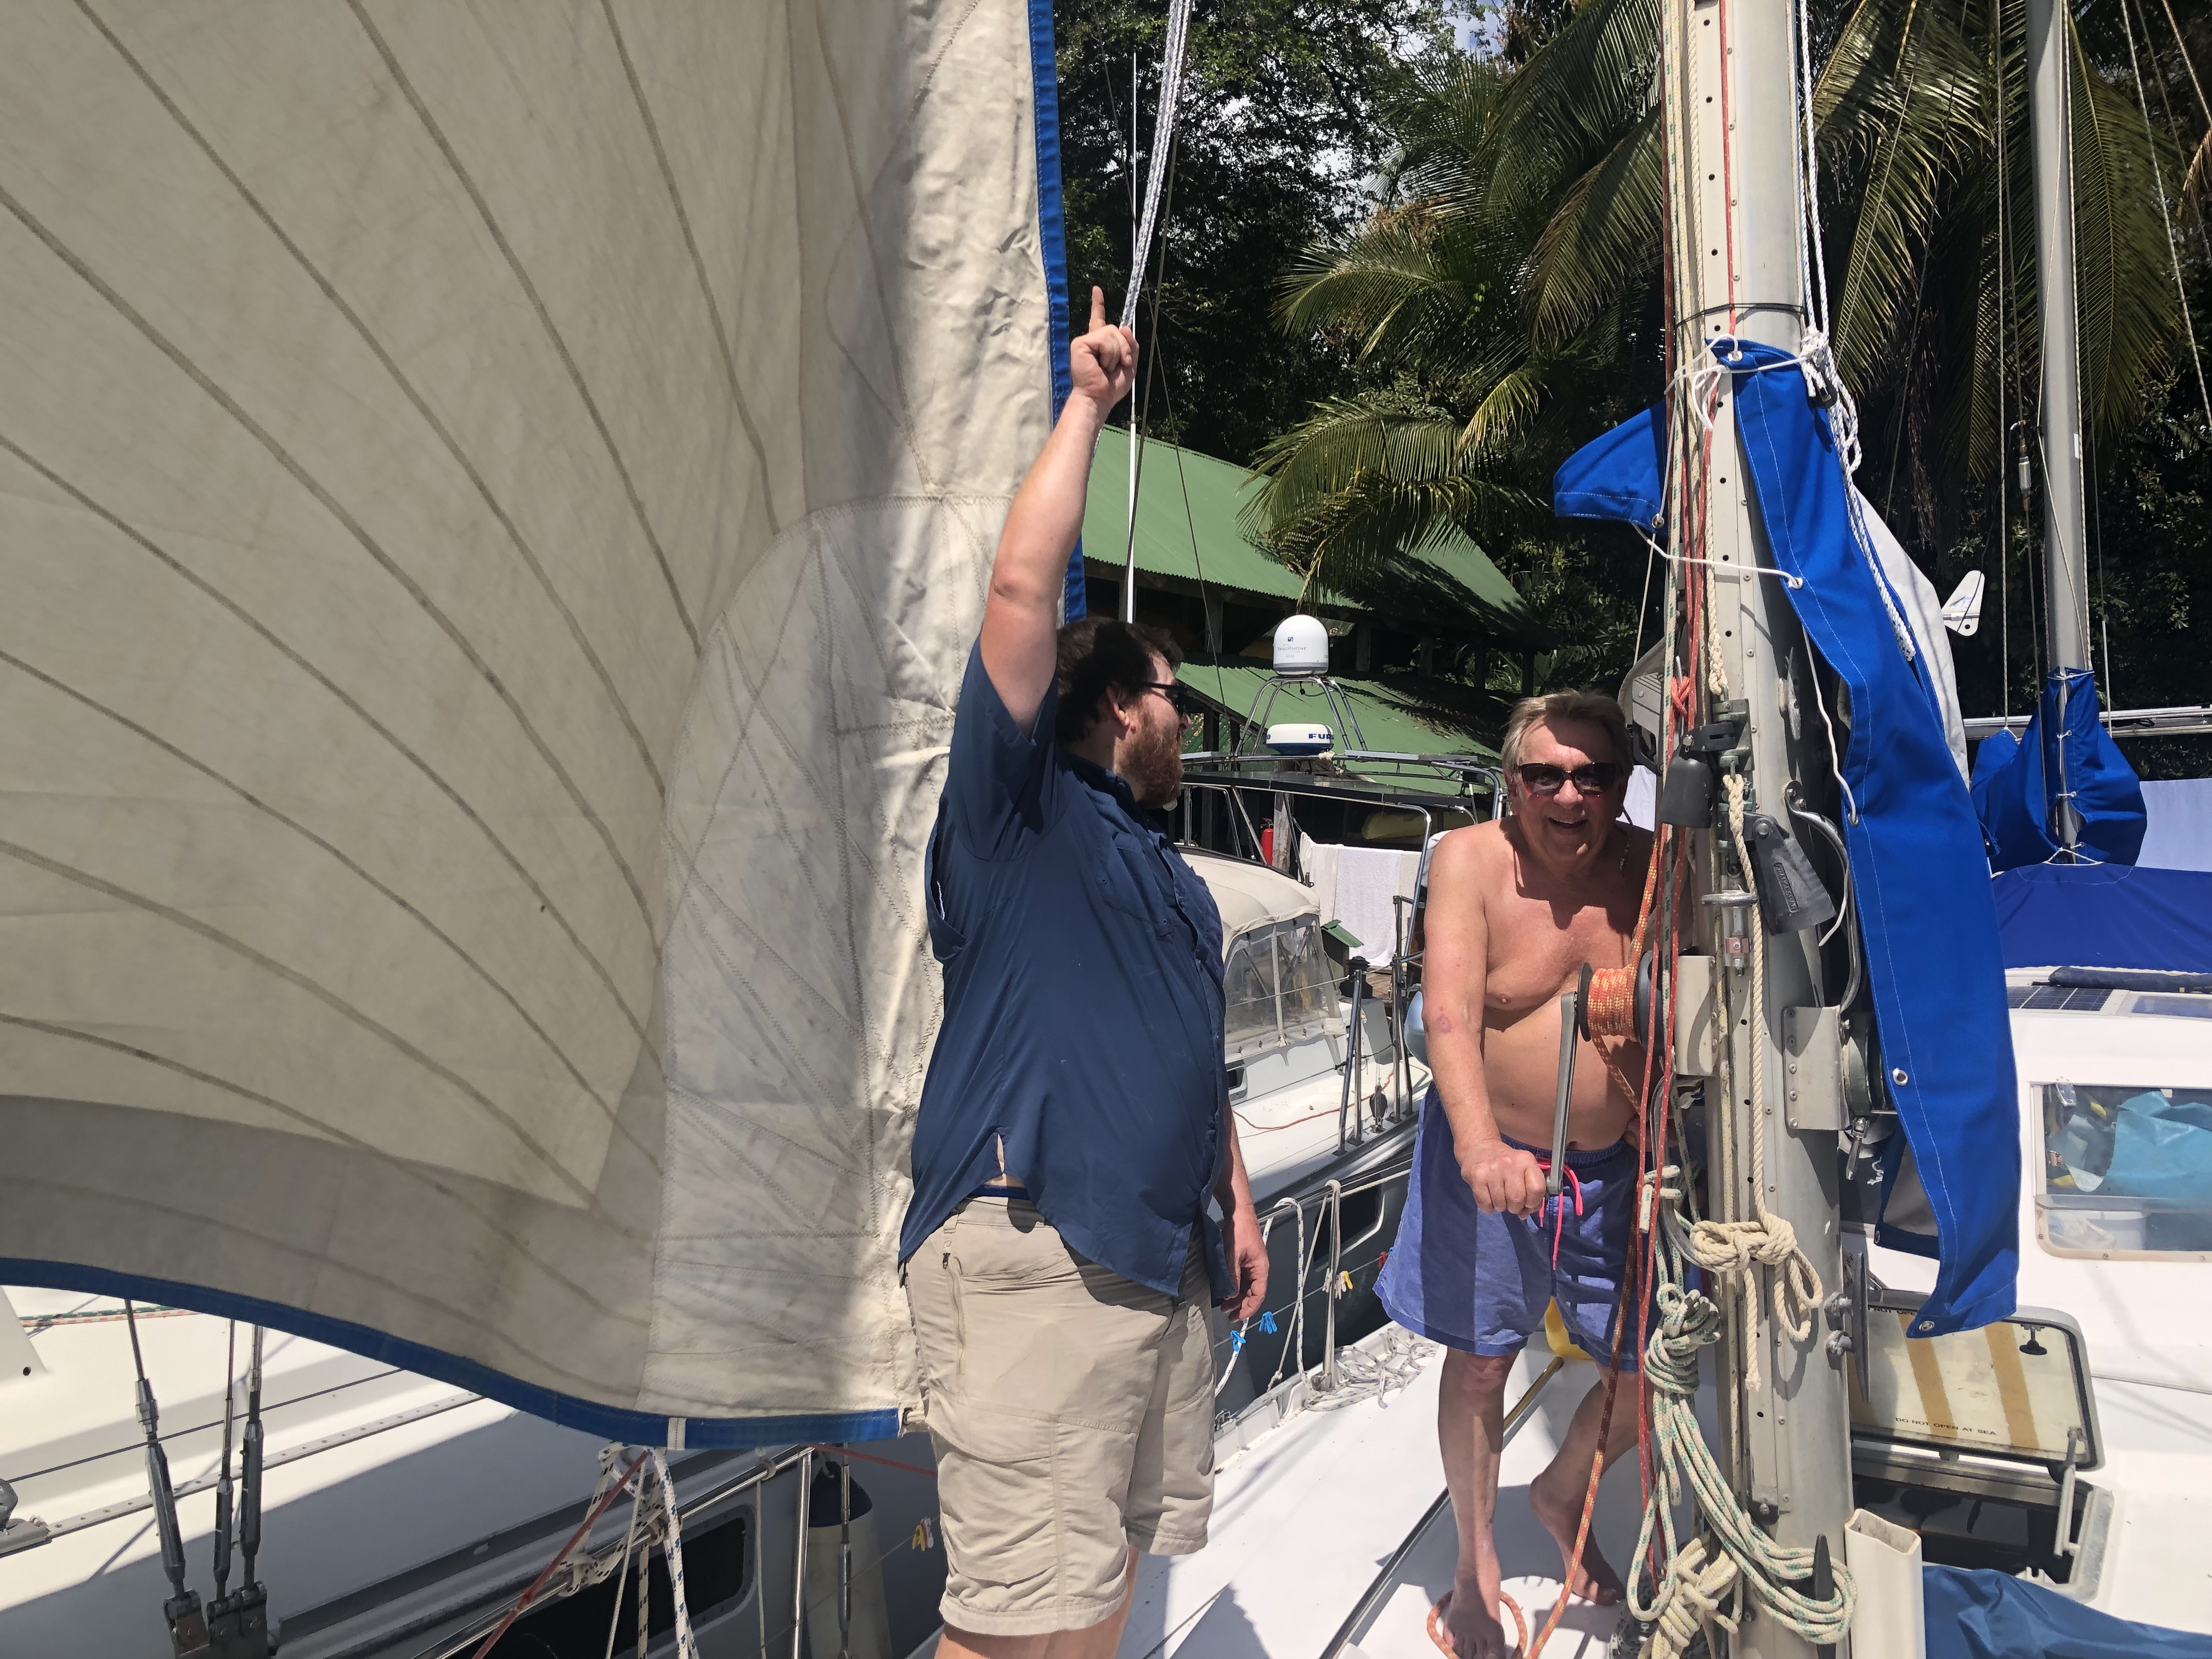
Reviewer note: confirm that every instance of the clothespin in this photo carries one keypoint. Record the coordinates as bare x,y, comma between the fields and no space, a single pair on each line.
1381,1260
1344,1279
925,1536
1237,1341
1267,1323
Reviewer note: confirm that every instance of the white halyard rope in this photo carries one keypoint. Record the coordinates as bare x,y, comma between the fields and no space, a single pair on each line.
1164,120
672,1545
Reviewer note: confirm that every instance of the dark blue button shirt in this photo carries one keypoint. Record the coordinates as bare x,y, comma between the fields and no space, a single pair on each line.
1082,1003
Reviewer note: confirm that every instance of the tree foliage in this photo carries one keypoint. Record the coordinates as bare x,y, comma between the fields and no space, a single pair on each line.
1280,138
1504,303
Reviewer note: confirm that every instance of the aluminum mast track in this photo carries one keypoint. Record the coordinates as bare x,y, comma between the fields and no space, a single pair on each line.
1734,209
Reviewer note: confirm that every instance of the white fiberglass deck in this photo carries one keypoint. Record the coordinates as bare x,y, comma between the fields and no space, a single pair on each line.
450,1467
1310,1513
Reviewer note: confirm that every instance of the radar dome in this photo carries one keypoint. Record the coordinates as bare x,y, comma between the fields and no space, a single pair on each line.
1301,646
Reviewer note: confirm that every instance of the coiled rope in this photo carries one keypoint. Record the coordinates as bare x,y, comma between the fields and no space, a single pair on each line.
1708,1582
1364,1375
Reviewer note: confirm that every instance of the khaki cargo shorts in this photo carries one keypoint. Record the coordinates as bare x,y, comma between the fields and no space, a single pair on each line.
1073,1413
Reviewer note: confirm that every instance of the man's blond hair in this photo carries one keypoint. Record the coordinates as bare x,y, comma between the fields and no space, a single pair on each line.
1592,706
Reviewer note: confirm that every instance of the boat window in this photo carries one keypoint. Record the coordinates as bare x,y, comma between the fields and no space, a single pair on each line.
1247,988
1278,987
2173,1006
1309,980
2127,1172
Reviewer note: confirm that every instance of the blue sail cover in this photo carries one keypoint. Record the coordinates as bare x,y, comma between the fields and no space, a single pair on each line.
1619,475
1978,1613
2105,915
1929,927
2013,791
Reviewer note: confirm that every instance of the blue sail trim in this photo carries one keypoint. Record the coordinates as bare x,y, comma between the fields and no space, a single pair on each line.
587,1417
1052,234
1620,475
1928,921
2013,791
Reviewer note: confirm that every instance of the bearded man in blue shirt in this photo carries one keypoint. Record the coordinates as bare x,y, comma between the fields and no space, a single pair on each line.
1059,1252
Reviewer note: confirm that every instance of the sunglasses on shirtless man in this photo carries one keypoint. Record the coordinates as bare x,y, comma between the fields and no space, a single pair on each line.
1595,777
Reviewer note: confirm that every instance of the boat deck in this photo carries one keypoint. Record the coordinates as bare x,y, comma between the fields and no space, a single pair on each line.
1326,1511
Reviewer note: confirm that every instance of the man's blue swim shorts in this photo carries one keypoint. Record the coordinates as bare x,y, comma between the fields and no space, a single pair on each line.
1480,1282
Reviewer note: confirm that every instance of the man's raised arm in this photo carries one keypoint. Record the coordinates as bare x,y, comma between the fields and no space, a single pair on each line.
1021,618
1454,978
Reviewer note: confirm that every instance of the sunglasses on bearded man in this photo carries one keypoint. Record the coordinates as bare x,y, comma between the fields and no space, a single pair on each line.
1178,699
1595,777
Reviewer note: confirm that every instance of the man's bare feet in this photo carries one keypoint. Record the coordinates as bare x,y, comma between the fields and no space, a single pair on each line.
1469,1620
1561,1512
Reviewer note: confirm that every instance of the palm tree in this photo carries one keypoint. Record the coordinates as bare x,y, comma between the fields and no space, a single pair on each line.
1504,303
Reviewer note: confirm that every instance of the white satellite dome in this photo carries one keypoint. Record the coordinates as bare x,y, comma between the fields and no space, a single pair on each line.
1300,738
1301,646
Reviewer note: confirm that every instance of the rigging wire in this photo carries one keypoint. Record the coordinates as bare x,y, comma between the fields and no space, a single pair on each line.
2165,214
1140,405
2189,67
1215,646
2182,46
1140,252
2004,364
2097,551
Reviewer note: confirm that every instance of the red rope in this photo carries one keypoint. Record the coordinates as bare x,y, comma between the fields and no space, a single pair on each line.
870,1457
537,1583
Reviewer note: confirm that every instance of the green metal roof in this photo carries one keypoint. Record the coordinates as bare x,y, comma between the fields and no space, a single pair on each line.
1188,526
1388,718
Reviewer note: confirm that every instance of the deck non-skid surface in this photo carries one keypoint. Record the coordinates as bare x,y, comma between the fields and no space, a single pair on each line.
1307,1517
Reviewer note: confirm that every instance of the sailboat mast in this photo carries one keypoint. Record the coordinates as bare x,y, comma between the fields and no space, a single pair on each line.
2059,431
2065,553
1734,209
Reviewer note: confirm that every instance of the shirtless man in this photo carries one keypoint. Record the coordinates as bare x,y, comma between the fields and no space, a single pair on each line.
1515,908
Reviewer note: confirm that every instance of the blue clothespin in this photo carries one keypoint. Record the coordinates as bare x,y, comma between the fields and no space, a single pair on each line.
1237,1342
1267,1323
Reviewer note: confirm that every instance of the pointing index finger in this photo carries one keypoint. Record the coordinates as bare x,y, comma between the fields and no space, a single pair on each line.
1097,307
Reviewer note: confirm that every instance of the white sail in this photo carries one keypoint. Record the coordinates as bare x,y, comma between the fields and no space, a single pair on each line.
494,501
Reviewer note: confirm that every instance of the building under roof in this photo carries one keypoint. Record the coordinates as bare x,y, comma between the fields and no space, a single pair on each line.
1411,650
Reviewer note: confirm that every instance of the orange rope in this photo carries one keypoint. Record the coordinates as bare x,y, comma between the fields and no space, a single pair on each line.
1612,1013
1443,1643
1613,1000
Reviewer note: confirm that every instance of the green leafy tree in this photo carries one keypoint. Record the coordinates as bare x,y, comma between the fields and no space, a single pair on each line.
1278,138
1504,305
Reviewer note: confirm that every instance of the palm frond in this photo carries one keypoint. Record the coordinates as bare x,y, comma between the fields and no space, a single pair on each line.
2129,314
1606,234
1365,478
